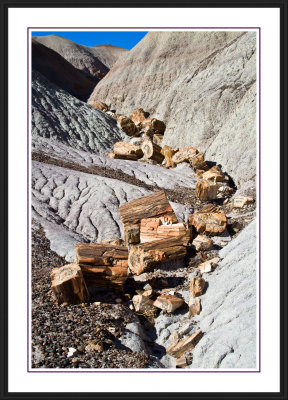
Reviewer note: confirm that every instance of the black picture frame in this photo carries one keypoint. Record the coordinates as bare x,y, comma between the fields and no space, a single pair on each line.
5,6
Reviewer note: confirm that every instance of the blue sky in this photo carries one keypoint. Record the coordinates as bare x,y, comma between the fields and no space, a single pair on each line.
124,39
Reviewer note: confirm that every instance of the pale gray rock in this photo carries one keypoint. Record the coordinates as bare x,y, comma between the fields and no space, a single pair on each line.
133,337
62,118
201,84
74,207
228,316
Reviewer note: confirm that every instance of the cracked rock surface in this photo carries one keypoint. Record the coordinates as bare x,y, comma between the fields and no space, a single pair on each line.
228,315
74,207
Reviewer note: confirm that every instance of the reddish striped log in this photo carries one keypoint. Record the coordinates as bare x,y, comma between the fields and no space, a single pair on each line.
105,277
100,254
155,229
127,149
147,256
68,284
152,151
154,205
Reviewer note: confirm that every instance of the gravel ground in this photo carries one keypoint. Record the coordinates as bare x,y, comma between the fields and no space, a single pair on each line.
56,328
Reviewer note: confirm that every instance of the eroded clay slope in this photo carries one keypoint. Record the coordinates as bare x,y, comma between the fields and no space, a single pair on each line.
228,315
93,61
59,71
228,311
75,207
148,174
202,84
58,116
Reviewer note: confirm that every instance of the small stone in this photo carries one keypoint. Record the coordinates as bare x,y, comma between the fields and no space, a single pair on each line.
214,174
174,338
168,302
143,303
118,300
71,351
183,361
209,265
147,287
241,201
194,306
202,243
97,303
148,293
206,190
197,286
198,162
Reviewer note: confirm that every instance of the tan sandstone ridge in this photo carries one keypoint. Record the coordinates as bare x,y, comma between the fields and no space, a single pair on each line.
93,61
201,84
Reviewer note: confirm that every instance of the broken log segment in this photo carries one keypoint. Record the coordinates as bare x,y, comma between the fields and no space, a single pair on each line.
146,256
168,152
153,205
209,223
178,349
168,302
127,149
152,151
156,229
68,284
105,276
100,254
206,190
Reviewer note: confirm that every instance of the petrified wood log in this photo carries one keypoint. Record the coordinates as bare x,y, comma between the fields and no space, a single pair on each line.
206,190
169,152
212,224
68,284
105,277
178,349
146,256
168,302
127,149
153,124
152,151
184,154
100,254
154,205
155,229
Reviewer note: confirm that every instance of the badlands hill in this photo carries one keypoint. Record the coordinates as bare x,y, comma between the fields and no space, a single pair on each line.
201,84
59,71
95,62
60,117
